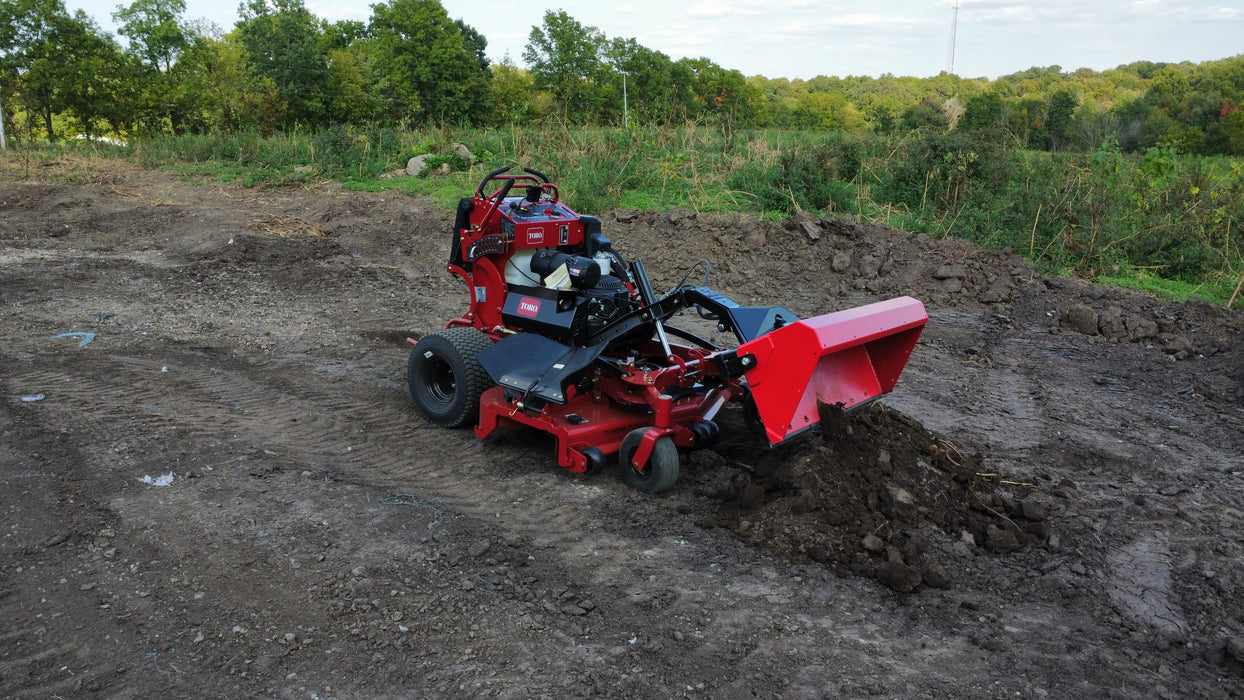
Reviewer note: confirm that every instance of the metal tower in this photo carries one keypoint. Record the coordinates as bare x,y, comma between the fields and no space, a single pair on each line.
950,52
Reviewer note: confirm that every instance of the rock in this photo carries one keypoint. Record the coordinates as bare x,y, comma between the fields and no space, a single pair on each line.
679,215
1179,346
461,150
625,216
1000,541
443,169
894,556
900,577
1140,328
936,575
810,229
1110,323
901,495
952,285
949,272
1235,648
304,168
415,165
818,554
1081,319
873,543
1033,511
841,261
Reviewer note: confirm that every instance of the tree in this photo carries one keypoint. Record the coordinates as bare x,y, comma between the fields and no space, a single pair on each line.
475,42
721,93
282,42
928,113
512,92
95,77
565,60
233,94
155,30
1058,124
983,111
58,62
433,66
158,36
653,94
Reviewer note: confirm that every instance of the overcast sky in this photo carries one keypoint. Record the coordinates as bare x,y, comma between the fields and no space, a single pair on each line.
806,38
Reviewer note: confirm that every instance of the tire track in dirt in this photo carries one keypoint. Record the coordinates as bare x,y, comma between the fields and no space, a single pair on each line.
47,512
363,434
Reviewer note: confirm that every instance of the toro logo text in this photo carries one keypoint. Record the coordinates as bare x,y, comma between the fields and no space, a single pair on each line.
528,307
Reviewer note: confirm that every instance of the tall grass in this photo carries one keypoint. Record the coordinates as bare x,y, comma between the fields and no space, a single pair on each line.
1102,214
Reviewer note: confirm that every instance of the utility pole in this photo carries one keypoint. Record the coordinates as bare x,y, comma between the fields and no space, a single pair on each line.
626,118
950,52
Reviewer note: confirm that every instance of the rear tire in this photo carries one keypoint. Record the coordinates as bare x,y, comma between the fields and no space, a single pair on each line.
661,470
445,379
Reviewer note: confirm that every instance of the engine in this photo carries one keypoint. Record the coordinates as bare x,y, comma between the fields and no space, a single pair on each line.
566,297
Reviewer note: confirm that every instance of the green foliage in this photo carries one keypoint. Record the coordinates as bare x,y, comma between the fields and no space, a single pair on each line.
58,65
156,31
282,42
282,68
806,177
432,64
565,60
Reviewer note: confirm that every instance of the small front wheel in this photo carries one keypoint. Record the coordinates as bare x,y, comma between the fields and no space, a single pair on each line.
658,473
445,378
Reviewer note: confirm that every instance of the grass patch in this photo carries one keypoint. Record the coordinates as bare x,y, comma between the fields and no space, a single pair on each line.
1216,289
444,192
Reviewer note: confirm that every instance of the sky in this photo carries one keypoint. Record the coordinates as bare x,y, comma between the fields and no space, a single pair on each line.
806,38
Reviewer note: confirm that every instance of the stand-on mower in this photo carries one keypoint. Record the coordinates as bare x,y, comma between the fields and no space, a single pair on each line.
566,336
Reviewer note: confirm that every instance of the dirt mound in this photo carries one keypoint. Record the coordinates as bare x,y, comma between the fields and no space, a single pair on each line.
867,495
800,262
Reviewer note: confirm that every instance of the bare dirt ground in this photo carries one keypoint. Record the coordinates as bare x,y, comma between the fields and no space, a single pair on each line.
1051,504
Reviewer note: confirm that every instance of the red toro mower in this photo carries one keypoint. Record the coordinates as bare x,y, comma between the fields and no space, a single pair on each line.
566,336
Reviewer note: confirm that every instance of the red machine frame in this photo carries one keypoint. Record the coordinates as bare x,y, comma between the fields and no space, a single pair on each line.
666,389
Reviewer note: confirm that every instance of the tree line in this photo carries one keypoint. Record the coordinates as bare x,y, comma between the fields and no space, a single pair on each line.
281,68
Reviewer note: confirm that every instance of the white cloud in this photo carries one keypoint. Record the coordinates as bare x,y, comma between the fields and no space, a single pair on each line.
1216,14
868,20
710,8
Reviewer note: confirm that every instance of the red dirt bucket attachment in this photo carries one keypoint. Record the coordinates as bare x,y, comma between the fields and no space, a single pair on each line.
847,358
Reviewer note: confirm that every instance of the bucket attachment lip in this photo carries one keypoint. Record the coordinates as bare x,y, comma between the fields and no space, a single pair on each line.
849,358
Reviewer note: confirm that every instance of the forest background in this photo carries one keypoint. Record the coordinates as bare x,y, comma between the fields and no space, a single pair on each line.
1130,175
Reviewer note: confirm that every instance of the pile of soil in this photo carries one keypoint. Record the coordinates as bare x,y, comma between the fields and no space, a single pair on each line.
867,495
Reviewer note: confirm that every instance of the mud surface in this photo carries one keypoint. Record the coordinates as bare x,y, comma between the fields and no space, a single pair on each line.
1051,504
